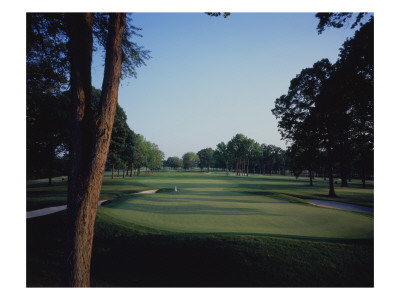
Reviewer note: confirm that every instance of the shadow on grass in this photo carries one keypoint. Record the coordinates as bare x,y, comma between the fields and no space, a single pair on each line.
190,209
141,257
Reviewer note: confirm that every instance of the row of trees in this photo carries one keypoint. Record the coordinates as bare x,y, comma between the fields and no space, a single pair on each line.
241,154
49,140
327,114
130,151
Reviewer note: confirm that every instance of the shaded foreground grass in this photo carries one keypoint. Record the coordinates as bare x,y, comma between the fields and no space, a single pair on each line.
148,240
128,257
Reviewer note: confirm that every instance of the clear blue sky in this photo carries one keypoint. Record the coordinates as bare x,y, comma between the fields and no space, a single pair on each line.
210,78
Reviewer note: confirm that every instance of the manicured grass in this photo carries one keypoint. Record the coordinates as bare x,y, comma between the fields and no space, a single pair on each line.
207,203
215,231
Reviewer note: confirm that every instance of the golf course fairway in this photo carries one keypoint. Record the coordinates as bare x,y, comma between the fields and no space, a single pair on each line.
214,203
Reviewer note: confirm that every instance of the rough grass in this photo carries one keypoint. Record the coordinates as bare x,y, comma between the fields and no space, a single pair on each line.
126,256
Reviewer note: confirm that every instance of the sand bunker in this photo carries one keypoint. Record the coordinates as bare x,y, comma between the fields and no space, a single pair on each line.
49,210
341,205
147,192
54,209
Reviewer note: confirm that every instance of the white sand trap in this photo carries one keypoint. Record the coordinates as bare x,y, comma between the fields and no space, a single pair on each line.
54,209
49,210
147,192
341,205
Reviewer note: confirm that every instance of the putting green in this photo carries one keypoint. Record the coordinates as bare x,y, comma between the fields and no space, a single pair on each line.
216,204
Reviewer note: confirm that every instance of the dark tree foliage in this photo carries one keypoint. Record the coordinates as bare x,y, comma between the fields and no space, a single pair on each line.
47,107
47,63
174,162
338,20
128,154
48,103
206,157
273,159
328,110
47,137
304,152
222,156
59,55
119,136
217,14
47,58
134,55
293,108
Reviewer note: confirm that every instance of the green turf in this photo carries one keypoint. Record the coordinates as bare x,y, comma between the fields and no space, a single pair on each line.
128,256
208,203
215,231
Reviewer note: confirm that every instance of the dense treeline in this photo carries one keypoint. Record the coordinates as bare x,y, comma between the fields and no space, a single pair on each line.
327,114
49,138
241,155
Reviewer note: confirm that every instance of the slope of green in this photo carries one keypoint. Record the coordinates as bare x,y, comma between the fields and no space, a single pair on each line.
215,231
207,203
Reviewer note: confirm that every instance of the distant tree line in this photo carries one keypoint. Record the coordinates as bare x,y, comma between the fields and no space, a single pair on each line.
241,155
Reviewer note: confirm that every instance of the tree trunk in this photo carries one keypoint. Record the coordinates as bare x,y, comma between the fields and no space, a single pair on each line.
344,181
363,178
118,170
112,171
331,183
123,171
50,171
91,139
237,167
50,155
310,174
131,168
343,175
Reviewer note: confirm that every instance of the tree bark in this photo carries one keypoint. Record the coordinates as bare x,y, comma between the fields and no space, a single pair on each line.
343,175
50,171
363,178
91,139
344,181
237,167
331,183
